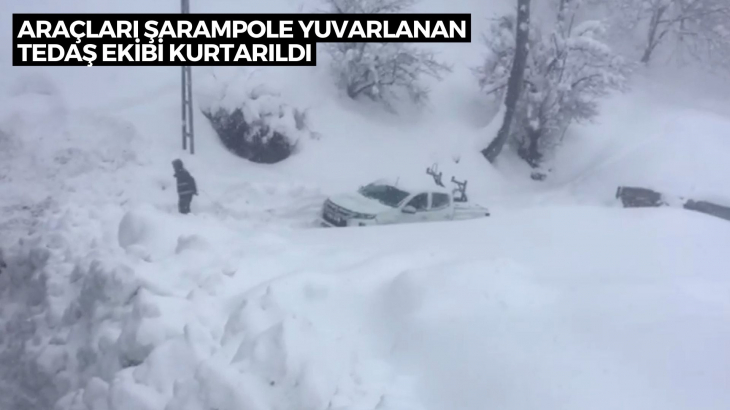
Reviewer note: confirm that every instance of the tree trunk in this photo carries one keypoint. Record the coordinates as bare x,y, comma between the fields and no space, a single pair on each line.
652,40
533,150
514,85
529,148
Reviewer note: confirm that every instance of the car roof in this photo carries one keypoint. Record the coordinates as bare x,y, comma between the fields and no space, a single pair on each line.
413,186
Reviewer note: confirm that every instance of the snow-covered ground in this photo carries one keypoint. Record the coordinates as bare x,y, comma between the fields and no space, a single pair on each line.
560,300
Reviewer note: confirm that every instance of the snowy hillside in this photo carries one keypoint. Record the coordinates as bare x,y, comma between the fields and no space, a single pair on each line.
560,300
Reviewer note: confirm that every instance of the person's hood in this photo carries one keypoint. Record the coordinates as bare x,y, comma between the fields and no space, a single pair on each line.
358,203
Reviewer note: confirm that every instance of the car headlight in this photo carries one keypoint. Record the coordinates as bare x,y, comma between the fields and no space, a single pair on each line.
363,216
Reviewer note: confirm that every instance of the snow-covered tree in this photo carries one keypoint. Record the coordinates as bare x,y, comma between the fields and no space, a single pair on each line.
698,27
383,72
568,70
250,116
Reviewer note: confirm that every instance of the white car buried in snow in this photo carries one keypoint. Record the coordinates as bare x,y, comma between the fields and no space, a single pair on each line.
383,203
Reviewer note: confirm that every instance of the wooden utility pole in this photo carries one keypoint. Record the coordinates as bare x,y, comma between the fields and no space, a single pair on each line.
188,135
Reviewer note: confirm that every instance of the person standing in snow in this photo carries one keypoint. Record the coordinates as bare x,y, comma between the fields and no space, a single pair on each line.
186,186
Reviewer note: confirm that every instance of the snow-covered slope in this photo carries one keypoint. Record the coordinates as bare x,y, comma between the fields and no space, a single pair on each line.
561,308
560,300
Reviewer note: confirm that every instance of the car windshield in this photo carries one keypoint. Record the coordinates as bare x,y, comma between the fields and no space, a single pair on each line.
385,194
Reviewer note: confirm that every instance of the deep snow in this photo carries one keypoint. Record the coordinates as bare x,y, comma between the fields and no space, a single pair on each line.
560,300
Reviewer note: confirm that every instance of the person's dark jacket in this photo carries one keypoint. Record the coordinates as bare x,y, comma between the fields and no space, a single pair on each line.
185,182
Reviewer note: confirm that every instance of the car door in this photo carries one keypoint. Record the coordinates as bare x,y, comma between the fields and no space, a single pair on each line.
419,204
439,207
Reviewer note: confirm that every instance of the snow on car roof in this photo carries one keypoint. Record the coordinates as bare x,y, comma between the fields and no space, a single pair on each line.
413,185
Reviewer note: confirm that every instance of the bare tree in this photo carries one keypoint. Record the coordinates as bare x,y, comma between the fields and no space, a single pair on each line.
698,27
514,83
382,71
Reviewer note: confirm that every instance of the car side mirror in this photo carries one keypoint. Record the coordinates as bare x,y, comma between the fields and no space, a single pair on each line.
409,209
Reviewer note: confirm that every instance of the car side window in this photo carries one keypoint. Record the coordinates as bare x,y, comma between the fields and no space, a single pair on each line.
420,202
440,201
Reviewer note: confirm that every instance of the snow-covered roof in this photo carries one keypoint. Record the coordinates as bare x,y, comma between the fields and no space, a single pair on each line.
413,185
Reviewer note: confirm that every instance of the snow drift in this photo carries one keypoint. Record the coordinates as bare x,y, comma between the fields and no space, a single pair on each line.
628,311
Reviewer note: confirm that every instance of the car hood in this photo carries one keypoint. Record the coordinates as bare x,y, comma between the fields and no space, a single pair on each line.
360,204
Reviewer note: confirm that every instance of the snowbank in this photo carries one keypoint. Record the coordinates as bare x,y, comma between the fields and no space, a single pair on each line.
159,332
62,292
562,308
